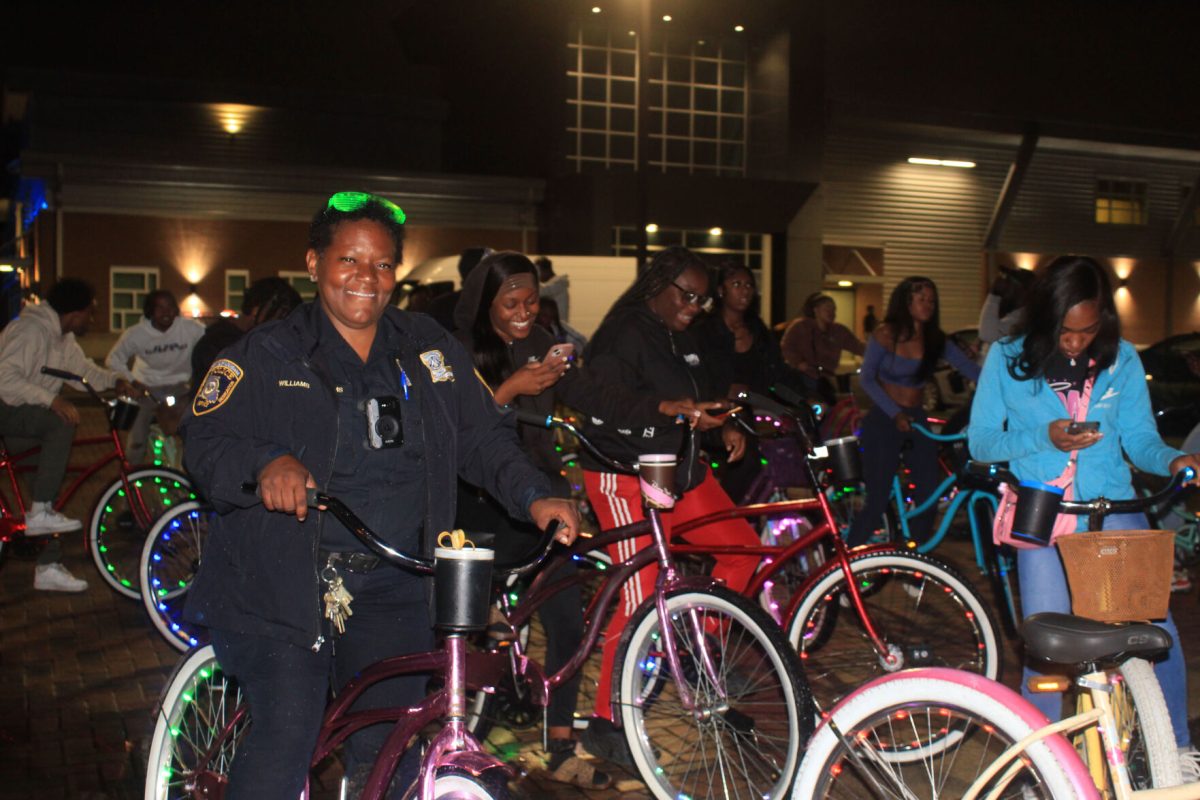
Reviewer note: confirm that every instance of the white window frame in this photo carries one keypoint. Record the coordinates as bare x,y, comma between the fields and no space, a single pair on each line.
151,281
244,274
301,281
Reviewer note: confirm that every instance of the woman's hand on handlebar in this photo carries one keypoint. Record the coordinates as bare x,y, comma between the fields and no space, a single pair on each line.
694,413
545,510
1071,441
1183,461
283,485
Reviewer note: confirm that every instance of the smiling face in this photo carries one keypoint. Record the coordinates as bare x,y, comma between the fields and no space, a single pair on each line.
513,311
737,291
825,312
671,304
1080,325
163,313
922,304
355,275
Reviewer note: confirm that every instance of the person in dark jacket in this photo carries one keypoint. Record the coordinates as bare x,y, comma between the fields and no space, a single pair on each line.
283,407
643,344
742,355
265,300
527,368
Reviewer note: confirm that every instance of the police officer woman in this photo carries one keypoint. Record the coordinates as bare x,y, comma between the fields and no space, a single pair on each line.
289,407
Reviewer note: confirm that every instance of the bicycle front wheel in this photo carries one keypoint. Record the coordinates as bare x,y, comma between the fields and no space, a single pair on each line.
752,713
926,614
201,721
122,518
169,562
875,724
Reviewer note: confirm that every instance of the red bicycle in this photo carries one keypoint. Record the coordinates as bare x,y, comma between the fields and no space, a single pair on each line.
124,511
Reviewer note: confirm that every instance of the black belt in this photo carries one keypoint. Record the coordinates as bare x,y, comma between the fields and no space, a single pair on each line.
351,562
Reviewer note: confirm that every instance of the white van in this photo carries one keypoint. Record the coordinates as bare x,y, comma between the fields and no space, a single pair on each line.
595,282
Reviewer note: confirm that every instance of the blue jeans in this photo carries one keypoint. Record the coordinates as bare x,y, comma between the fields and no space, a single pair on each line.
1044,588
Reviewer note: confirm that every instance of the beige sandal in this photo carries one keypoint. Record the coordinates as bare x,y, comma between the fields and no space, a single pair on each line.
577,772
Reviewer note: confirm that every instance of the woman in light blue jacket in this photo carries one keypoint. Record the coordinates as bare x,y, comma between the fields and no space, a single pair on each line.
1029,393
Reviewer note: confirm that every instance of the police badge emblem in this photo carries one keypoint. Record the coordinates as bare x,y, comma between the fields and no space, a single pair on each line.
435,362
222,378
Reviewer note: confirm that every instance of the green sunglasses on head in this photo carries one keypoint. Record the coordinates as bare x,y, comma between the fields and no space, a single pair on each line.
353,201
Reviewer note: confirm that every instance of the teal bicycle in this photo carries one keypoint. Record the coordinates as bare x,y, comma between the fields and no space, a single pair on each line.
976,495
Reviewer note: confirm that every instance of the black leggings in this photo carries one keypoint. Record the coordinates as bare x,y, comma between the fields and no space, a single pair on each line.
881,445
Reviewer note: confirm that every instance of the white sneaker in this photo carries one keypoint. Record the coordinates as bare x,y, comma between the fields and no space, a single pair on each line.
55,578
45,521
1189,764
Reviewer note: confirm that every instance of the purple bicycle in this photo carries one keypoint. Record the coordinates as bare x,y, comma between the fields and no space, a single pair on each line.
693,645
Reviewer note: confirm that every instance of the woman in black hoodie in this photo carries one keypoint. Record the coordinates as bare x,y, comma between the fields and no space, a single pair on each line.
495,320
644,345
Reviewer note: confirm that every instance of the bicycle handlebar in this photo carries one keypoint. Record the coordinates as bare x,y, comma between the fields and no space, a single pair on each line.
551,421
420,564
1100,505
961,436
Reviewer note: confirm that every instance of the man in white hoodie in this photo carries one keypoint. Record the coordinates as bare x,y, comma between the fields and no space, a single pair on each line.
31,408
161,348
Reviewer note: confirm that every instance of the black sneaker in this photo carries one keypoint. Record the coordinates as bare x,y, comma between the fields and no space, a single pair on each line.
602,739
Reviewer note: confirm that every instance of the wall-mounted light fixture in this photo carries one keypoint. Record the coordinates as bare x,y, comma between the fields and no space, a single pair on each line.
739,28
193,289
651,228
716,231
942,162
845,284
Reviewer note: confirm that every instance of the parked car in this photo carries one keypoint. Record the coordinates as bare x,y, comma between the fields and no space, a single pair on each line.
1173,378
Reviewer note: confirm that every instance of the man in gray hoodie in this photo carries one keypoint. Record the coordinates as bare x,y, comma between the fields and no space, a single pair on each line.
31,408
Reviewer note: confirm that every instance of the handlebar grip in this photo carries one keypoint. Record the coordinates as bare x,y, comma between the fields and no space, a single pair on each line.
61,373
534,419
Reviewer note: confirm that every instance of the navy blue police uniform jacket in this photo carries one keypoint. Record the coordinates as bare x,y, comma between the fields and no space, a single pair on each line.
269,395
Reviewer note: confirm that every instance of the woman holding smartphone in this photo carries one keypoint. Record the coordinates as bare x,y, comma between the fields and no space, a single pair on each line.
1066,397
527,369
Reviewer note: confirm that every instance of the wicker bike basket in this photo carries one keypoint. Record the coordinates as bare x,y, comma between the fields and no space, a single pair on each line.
1119,576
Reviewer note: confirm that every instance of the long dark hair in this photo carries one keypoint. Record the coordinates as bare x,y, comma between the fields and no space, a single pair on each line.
665,267
1066,282
900,320
488,350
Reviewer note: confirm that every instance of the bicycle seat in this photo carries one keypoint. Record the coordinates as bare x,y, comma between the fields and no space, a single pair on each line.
1067,639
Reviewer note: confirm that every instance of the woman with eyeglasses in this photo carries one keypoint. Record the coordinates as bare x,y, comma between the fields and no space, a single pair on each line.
900,360
813,344
286,407
644,345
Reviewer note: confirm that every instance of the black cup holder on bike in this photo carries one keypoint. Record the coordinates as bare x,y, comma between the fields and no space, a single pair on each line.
844,460
122,412
463,587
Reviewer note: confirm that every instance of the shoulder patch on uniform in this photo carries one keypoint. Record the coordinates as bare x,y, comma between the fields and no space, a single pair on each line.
217,387
435,362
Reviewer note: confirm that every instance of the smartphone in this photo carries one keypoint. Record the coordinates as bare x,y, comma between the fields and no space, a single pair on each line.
558,354
1079,427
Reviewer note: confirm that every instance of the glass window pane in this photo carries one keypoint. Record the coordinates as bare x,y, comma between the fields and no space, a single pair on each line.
706,99
592,145
237,283
732,128
594,89
732,102
677,151
677,124
595,62
732,155
621,146
704,153
706,72
122,300
624,63
592,117
127,280
1102,212
705,126
622,119
679,97
624,92
679,69
733,74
